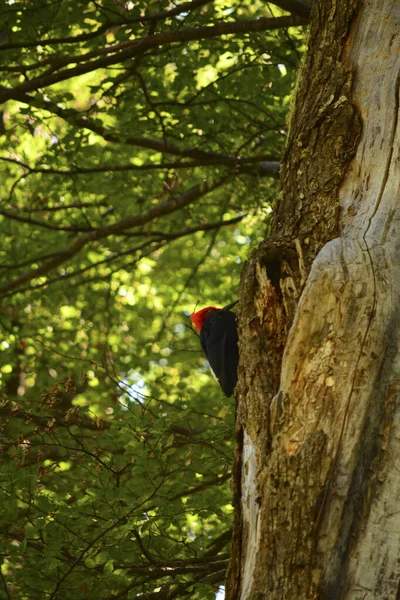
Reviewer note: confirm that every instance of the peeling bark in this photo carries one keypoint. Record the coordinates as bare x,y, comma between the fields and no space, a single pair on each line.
317,477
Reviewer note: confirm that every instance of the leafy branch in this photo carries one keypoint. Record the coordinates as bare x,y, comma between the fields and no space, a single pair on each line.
119,227
156,243
262,165
77,119
123,52
109,25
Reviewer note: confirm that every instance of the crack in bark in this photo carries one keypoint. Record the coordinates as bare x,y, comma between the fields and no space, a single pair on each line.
391,150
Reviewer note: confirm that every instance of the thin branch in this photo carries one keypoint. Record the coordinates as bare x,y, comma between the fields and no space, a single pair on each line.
268,167
113,257
98,537
142,45
172,590
203,486
84,422
16,217
5,585
156,572
161,595
153,245
171,205
143,548
14,186
70,206
29,261
203,227
87,280
177,562
83,37
213,578
76,118
182,587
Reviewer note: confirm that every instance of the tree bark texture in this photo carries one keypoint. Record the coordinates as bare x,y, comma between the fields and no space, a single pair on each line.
317,466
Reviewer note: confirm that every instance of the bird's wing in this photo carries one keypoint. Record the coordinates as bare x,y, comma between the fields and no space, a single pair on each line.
220,344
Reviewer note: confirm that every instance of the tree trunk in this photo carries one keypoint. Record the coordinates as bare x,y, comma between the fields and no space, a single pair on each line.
317,478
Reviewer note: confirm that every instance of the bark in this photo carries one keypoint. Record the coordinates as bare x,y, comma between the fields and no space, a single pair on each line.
317,467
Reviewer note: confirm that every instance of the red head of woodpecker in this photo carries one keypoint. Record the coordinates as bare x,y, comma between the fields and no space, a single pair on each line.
219,340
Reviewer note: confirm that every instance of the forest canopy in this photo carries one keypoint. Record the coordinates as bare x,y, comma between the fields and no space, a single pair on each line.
139,154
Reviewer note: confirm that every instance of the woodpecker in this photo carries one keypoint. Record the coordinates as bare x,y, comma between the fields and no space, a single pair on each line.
219,340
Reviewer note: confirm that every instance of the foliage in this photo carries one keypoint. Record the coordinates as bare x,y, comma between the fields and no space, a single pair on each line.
139,147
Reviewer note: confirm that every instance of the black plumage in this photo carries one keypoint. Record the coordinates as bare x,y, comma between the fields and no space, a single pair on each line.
219,340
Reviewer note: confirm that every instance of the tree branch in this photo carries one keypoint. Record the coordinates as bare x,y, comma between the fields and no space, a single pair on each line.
5,585
177,562
203,486
115,524
76,118
137,220
156,572
142,45
84,37
156,243
296,7
20,413
16,217
258,163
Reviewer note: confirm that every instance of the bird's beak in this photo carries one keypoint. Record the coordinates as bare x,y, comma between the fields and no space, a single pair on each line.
231,305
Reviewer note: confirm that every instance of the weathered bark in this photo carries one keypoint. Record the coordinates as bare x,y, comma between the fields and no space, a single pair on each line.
317,478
